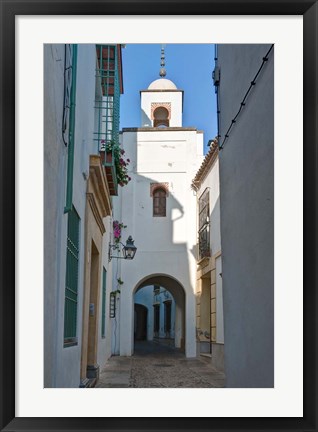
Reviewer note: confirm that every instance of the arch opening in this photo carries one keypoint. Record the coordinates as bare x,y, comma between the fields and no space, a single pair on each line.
164,299
161,117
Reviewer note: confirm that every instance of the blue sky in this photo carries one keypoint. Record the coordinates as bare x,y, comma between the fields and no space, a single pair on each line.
189,66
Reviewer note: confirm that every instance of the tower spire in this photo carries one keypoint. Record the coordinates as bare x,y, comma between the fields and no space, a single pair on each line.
162,72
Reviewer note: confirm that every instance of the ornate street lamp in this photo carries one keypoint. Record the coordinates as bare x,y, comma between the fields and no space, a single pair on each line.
128,250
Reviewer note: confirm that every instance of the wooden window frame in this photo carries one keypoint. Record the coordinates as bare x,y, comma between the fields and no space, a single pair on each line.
159,203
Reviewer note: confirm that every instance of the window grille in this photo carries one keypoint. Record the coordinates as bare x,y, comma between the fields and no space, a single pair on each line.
159,202
104,304
107,100
71,284
204,225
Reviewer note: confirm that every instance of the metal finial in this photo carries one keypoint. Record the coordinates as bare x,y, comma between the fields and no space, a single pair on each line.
162,72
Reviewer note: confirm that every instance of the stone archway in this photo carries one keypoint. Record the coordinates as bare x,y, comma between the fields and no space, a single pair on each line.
178,293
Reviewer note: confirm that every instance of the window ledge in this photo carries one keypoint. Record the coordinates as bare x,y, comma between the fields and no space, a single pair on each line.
203,260
70,342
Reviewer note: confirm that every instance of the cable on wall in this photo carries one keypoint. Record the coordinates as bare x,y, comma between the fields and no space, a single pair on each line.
216,81
243,102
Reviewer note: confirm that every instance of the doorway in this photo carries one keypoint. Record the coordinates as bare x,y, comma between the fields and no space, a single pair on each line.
205,316
156,321
141,322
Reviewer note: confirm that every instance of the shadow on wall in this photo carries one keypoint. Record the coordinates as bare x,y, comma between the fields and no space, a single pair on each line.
215,236
146,121
163,246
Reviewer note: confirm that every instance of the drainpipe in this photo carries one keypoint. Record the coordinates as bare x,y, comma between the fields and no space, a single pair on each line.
70,159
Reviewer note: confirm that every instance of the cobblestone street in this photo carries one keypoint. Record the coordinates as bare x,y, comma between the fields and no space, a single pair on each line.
155,365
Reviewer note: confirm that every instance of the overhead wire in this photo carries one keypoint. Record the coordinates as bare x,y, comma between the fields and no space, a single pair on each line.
243,102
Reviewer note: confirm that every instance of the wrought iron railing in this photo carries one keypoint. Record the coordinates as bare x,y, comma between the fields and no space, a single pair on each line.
204,242
204,226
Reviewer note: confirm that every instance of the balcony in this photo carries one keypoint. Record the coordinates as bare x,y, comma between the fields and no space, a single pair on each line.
107,98
108,160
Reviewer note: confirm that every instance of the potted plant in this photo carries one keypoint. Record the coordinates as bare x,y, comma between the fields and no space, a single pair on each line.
113,157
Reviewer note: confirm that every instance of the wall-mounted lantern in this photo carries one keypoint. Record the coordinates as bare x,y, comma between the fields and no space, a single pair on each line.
129,250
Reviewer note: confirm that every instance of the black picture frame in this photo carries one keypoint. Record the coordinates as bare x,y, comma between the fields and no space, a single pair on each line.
9,10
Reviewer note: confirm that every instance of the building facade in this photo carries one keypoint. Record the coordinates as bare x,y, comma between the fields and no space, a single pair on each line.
82,85
244,77
209,292
159,208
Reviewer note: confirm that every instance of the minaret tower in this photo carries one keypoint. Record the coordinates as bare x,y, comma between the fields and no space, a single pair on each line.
161,103
159,207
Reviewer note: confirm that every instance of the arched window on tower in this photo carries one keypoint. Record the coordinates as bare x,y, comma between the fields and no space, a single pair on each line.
161,117
159,202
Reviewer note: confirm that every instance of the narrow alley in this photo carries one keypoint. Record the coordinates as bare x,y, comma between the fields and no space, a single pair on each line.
159,233
159,365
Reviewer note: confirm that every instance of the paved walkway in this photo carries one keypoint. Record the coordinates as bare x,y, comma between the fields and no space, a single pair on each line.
158,365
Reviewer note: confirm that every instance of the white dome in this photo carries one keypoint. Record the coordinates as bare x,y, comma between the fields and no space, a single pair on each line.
162,84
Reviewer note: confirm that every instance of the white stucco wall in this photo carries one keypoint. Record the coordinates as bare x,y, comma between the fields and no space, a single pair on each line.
55,158
166,245
247,215
62,365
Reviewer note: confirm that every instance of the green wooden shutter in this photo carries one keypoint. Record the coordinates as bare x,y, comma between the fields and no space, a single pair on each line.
71,282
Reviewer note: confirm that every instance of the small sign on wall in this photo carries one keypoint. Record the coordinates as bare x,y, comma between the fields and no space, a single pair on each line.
91,309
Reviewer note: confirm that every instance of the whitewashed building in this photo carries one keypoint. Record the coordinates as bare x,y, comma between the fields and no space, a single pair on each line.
159,208
244,78
79,93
